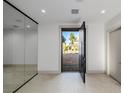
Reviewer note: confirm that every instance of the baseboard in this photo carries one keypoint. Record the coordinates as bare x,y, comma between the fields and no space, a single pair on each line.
95,71
115,79
49,72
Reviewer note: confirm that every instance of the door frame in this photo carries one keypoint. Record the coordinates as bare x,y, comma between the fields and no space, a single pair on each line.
107,50
66,30
60,46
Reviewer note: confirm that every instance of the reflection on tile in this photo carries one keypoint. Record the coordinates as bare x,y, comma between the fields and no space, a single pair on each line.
15,75
71,83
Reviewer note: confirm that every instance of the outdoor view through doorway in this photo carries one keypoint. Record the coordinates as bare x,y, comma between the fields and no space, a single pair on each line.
70,50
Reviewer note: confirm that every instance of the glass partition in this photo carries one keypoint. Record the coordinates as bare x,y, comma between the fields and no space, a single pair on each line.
13,48
30,48
19,48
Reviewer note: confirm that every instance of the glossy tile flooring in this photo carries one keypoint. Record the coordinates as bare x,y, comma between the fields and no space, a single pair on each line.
71,82
16,75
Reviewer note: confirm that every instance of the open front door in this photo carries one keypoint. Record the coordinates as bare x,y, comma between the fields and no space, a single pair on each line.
82,51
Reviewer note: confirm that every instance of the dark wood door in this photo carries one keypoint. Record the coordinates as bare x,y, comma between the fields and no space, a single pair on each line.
82,54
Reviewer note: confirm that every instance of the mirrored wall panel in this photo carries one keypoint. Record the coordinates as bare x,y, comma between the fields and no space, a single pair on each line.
19,48
30,48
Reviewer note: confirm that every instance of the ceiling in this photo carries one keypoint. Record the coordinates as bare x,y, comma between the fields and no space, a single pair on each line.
60,10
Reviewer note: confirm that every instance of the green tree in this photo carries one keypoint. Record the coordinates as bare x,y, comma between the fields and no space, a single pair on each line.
72,38
64,44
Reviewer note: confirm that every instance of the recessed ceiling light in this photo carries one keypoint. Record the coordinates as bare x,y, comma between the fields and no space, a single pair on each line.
43,11
28,26
103,11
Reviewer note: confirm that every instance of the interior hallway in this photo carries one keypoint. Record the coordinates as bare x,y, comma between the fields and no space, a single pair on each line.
62,83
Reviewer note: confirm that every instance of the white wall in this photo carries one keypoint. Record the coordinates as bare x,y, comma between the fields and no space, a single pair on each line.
115,54
114,23
19,47
111,25
48,48
13,47
7,47
95,48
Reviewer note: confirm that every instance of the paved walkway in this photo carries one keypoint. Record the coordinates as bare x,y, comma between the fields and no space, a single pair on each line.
71,62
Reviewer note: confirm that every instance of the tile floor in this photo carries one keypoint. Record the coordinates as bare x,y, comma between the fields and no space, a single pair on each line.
15,75
71,83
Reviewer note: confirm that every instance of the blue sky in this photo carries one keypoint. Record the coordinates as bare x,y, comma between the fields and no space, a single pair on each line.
67,35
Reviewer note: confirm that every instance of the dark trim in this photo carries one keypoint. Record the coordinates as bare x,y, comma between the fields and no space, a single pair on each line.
24,83
83,57
84,41
119,28
61,53
19,10
83,26
69,29
115,79
84,79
